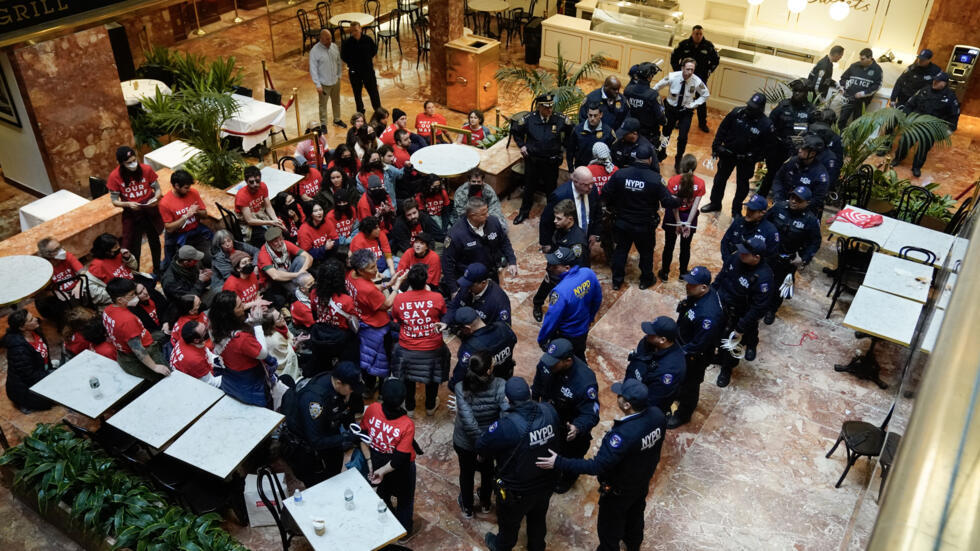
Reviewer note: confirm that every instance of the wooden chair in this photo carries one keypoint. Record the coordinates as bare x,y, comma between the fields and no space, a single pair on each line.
310,35
863,439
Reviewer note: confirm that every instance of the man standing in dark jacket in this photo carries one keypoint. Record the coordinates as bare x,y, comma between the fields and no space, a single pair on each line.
860,83
919,75
752,224
478,291
496,338
658,362
822,75
936,100
612,105
624,466
477,237
634,195
804,170
629,139
540,135
799,231
589,130
790,119
644,104
704,53
358,51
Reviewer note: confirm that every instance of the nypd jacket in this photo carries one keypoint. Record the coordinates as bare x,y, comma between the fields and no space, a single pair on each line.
543,138
742,135
623,153
938,103
464,247
574,394
799,232
496,338
525,432
315,412
742,230
662,371
492,305
644,106
911,81
578,149
572,305
746,290
700,323
789,119
634,194
794,173
613,109
861,79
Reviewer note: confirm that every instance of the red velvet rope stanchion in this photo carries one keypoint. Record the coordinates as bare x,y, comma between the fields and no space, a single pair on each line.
255,133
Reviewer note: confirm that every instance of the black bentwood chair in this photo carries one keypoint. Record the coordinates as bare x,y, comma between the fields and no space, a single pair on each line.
863,439
284,521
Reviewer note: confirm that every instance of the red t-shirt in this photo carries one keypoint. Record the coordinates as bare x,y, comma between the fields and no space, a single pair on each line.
379,246
246,288
108,268
254,201
308,151
369,301
151,309
310,185
311,238
351,173
417,312
674,184
600,176
302,314
75,343
430,259
38,344
190,359
423,124
433,205
265,261
242,352
339,228
365,175
136,191
477,134
401,156
364,210
105,349
201,317
388,436
65,270
173,208
388,136
326,314
121,325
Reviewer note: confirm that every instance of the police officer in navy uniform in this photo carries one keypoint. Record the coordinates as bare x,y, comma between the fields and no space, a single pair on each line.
804,170
936,100
540,135
590,129
565,380
740,142
610,101
318,411
799,241
745,286
658,362
478,291
821,77
633,196
829,158
526,430
699,323
644,104
630,139
860,83
701,50
476,237
624,466
790,119
918,76
573,303
495,338
567,234
752,224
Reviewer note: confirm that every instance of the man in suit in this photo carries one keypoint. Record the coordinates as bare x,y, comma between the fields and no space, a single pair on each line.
581,191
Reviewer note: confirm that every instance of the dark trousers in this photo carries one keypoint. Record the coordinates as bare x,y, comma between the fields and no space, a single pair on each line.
852,109
780,269
750,339
690,391
681,118
574,449
468,467
368,81
199,238
645,241
543,291
136,224
775,159
514,508
400,485
744,169
540,174
313,467
431,393
702,112
621,519
670,238
921,152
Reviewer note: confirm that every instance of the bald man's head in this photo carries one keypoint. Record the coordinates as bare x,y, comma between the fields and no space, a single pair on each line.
325,37
611,85
582,180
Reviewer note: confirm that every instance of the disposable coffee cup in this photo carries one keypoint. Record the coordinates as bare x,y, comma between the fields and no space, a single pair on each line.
319,526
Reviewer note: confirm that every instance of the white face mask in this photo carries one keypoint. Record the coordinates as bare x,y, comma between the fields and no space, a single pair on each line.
61,254
132,165
133,302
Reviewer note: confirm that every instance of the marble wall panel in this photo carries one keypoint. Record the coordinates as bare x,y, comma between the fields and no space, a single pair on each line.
953,22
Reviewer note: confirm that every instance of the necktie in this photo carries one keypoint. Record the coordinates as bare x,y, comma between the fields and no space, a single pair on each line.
582,214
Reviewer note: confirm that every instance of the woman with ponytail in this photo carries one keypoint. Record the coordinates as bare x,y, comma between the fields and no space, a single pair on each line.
681,221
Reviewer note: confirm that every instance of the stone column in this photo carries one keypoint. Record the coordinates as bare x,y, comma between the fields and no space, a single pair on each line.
445,25
72,94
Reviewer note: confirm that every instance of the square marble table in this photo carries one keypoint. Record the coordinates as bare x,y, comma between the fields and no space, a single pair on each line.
276,180
879,234
69,384
253,115
172,156
947,291
49,208
221,439
167,408
932,331
360,529
905,234
899,277
883,315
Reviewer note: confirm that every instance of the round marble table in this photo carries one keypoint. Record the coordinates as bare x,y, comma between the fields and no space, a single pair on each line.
136,90
365,19
446,159
491,6
22,276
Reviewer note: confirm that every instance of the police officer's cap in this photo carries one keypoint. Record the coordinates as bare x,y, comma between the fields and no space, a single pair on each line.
545,100
812,142
475,273
699,275
943,76
563,256
802,192
465,316
557,350
633,391
347,373
798,85
642,152
757,202
630,125
757,100
925,54
755,245
516,390
663,326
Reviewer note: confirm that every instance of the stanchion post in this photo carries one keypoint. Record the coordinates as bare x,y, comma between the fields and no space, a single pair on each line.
238,18
199,31
295,100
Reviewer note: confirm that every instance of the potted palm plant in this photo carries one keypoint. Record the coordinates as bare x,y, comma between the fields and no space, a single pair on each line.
563,83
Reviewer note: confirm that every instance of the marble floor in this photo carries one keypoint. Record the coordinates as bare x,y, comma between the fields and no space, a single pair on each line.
747,473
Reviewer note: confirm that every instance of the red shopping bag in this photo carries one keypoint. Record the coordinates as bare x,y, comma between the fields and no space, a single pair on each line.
859,219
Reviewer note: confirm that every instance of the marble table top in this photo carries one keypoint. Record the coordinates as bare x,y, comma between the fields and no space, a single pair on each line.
879,234
221,439
492,6
905,234
947,291
276,180
136,90
932,331
883,315
167,408
364,19
21,276
898,276
363,528
49,207
446,159
172,156
69,384
251,116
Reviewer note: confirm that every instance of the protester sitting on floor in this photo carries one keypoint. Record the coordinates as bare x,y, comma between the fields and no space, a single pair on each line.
152,309
377,202
314,234
422,252
109,261
181,210
187,308
433,200
185,276
240,342
136,352
478,132
253,207
222,247
290,214
344,159
301,309
28,361
309,187
191,354
282,344
280,262
333,337
424,122
243,281
306,150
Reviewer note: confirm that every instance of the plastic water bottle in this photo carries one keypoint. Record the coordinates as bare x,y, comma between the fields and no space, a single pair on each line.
297,497
382,509
349,499
96,387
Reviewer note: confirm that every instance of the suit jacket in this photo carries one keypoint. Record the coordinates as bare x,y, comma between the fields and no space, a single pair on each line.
565,191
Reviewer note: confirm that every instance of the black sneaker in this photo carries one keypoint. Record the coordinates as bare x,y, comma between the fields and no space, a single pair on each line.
467,513
916,172
340,123
704,127
485,506
770,318
675,421
491,540
663,275
617,286
711,207
724,377
538,314
644,284
750,354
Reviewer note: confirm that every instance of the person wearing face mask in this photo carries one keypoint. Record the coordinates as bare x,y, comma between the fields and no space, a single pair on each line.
109,260
136,352
240,342
28,361
590,130
343,158
739,143
377,202
243,281
859,83
371,165
422,252
572,304
342,222
476,186
686,92
333,337
433,199
790,119
185,276
804,170
222,246
799,232
314,234
337,181
411,222
181,210
301,310
289,213
67,268
279,263
134,188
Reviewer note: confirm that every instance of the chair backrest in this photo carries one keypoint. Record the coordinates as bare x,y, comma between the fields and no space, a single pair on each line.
272,96
231,222
274,504
854,253
962,213
909,252
97,187
345,25
421,31
242,91
856,188
394,22
372,7
287,160
913,204
304,20
323,14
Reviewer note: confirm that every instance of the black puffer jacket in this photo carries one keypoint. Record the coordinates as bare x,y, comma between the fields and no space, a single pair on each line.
476,411
25,367
420,366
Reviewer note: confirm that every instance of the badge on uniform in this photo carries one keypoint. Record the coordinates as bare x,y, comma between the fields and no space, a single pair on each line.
764,287
667,378
618,104
552,298
554,128
449,241
504,315
706,324
493,427
598,134
577,249
615,441
315,410
591,393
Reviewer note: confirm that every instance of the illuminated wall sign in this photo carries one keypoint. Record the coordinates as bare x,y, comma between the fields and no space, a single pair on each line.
21,14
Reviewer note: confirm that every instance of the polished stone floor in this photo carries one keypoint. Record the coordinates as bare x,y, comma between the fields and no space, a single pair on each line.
747,473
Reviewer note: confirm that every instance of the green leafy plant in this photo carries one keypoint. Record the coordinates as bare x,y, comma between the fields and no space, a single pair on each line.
193,70
778,91
496,134
868,134
563,83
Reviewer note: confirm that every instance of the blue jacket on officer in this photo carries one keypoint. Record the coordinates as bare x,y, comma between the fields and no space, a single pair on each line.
496,338
796,172
635,195
613,107
623,152
464,247
578,149
745,289
573,303
643,101
701,320
799,229
658,362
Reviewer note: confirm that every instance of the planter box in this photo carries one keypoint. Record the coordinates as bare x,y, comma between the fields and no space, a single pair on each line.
933,223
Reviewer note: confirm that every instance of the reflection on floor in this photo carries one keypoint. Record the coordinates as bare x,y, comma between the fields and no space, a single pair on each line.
747,473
